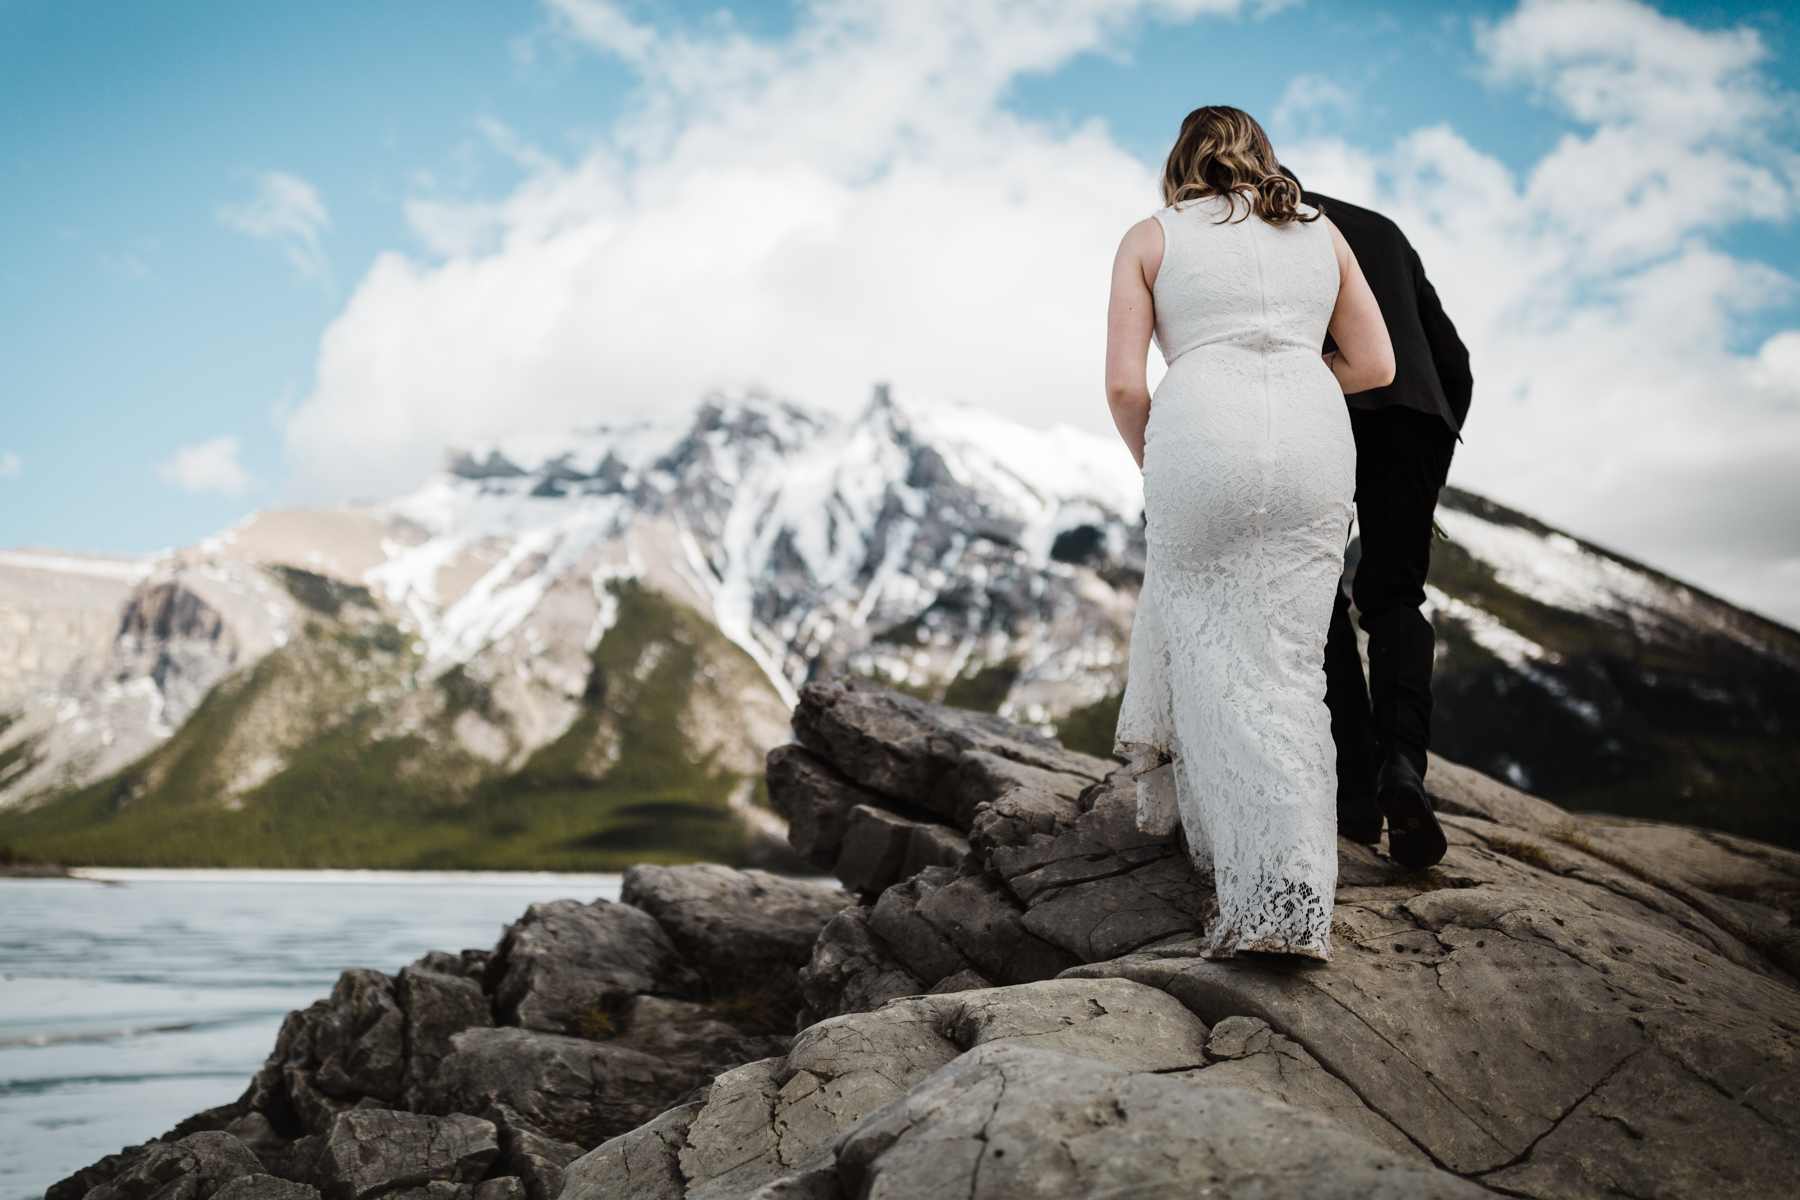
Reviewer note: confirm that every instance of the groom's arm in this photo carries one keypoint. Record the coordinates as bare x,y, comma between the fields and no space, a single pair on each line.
1448,353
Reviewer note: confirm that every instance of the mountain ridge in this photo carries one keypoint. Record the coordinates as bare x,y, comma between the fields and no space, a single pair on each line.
936,547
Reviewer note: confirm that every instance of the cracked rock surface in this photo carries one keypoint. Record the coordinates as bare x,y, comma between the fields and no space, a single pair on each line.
1568,1005
1006,1121
1006,998
482,1075
373,1151
756,1123
1031,1090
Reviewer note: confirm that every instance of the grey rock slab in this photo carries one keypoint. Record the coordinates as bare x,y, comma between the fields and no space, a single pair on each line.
334,1052
987,927
1100,840
191,1168
1458,789
1132,1027
373,1151
436,1189
693,1034
470,964
737,1133
353,1046
1703,858
564,963
643,1164
876,847
907,749
743,929
566,1088
1570,866
1374,1026
939,923
816,1181
537,1161
436,1006
265,1187
1115,914
882,847
934,846
502,1187
1646,1130
778,1114
1096,887
965,980
1247,1054
1747,888
1006,1121
1001,801
363,1053
289,1158
851,969
917,944
815,800
1477,1019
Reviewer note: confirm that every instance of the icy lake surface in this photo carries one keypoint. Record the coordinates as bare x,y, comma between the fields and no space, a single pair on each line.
130,999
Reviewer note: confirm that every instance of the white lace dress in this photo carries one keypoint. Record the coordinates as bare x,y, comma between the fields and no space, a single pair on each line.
1249,473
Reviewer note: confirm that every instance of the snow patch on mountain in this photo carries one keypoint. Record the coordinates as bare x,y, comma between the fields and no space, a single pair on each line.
1560,572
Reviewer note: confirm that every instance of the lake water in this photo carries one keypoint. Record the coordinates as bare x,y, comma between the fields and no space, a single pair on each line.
129,1003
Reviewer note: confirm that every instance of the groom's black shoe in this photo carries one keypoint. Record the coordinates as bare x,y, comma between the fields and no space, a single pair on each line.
1415,839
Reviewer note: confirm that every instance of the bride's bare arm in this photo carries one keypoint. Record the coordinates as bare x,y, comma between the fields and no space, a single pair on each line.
1365,356
1130,318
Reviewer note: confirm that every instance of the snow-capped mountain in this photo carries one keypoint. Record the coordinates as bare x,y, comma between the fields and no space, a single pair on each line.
571,646
907,541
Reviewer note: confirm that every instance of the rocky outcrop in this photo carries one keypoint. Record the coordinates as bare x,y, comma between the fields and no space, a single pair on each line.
1009,1000
1056,1088
481,1075
374,1152
194,1167
1567,1005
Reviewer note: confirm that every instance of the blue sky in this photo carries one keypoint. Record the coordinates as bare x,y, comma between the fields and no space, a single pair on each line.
140,316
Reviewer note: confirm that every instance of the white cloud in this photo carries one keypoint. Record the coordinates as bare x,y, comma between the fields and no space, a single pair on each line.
1309,101
11,465
846,204
852,202
606,26
1601,316
1620,62
209,466
288,210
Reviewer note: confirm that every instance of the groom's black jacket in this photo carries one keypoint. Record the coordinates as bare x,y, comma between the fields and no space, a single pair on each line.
1431,364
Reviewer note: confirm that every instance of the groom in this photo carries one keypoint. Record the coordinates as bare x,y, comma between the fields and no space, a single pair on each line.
1405,434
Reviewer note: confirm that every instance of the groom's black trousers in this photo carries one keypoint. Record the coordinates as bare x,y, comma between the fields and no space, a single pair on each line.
1402,459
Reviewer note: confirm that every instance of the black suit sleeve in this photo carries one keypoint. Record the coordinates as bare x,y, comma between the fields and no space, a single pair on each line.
1448,353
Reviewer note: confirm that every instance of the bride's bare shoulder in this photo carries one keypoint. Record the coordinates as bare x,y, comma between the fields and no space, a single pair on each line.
1143,243
1146,233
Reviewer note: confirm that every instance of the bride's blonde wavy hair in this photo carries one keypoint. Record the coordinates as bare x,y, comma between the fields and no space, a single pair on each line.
1222,151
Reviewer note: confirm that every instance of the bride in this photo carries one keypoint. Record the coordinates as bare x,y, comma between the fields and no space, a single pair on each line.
1249,471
